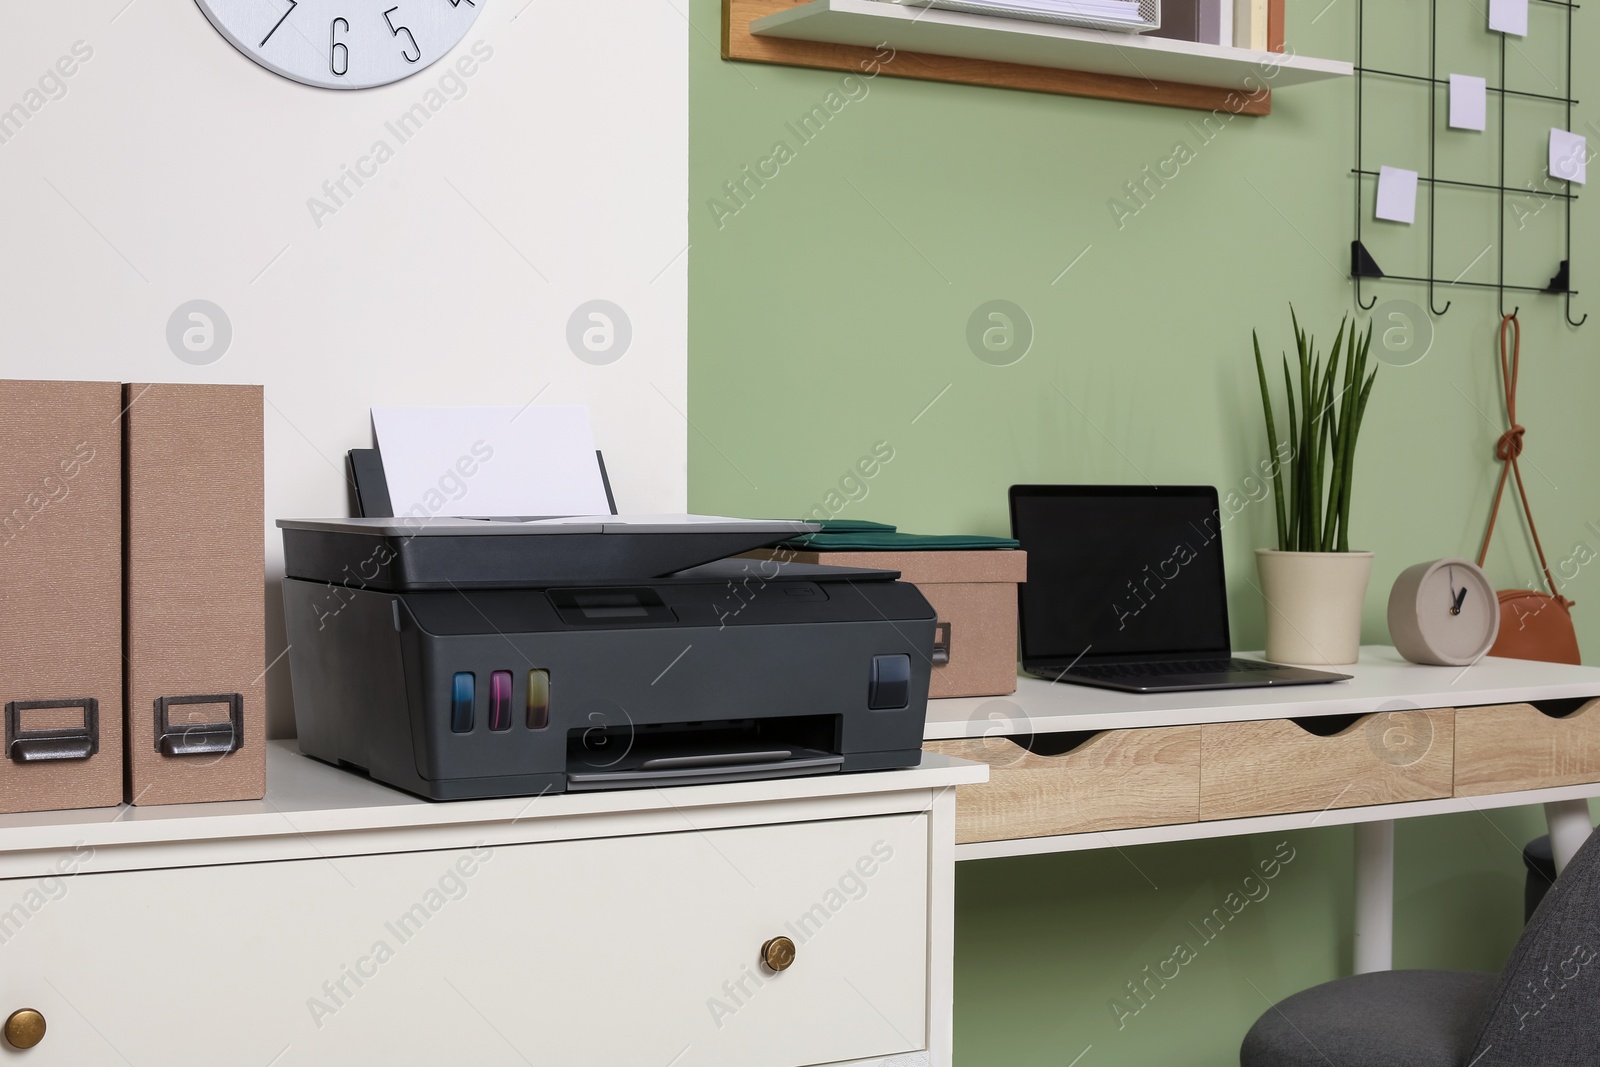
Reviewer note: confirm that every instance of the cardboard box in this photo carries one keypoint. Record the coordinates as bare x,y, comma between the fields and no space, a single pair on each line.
61,588
975,595
194,547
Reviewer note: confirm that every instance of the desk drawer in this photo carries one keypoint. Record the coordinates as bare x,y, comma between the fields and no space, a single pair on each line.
624,952
1276,766
1510,747
1113,780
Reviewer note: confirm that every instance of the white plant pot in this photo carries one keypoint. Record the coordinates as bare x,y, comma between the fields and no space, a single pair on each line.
1314,602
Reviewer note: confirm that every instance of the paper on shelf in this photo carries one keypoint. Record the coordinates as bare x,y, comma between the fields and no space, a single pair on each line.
1509,16
490,461
1216,22
1469,102
1397,194
1569,156
1250,24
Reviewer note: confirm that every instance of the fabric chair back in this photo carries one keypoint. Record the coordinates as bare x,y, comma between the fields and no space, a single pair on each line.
1546,1009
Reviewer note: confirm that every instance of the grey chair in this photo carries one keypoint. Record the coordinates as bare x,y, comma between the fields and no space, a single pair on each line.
1543,1010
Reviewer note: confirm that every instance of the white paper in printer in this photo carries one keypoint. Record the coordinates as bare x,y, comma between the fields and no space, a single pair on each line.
490,461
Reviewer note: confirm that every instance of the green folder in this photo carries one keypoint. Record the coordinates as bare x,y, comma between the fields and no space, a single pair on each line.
858,535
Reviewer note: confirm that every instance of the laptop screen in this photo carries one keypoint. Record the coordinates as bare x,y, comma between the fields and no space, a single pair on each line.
1120,572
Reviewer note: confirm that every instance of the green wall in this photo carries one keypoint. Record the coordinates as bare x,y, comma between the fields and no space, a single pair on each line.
829,308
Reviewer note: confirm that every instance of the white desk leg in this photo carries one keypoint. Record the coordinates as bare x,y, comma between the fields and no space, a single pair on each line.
1569,828
1374,896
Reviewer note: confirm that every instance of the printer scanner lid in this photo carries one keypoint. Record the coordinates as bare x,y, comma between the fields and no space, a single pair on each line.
405,554
768,531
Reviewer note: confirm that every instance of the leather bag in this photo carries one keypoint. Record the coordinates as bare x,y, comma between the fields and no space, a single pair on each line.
1533,624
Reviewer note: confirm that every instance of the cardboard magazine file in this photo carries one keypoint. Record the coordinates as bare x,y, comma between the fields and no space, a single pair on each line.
61,594
193,554
974,592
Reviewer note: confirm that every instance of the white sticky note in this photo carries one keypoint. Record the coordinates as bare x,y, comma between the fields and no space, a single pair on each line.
490,461
1397,194
1469,102
1569,156
1509,16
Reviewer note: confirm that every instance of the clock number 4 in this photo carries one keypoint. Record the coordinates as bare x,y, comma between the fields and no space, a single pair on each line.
338,51
409,57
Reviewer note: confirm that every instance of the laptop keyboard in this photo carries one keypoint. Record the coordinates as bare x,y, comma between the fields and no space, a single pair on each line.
1187,666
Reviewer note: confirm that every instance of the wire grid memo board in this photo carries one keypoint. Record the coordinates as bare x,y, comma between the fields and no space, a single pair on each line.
1461,174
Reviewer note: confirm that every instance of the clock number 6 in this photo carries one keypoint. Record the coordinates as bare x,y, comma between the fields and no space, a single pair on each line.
338,51
397,31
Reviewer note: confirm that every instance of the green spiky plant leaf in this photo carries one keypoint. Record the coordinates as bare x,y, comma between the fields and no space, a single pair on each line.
1311,483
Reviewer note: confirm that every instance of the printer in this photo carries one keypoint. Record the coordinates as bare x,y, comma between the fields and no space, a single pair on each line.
479,657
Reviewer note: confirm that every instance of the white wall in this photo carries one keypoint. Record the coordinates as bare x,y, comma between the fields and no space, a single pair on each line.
173,168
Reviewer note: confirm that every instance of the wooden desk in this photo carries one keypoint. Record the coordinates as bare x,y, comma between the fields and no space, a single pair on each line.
1412,741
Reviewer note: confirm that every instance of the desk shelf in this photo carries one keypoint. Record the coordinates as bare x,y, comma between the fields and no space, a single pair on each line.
986,50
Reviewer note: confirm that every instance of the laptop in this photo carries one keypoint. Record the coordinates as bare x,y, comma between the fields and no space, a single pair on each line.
1126,591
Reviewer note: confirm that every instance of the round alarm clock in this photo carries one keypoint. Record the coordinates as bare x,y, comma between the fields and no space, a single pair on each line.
343,44
1444,613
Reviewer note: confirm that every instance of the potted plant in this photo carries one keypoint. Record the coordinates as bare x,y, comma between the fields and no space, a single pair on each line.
1314,586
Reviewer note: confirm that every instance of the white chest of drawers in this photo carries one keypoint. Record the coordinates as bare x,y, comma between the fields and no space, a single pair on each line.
340,922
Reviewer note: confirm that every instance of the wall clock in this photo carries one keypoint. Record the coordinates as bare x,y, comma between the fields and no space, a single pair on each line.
343,44
1443,612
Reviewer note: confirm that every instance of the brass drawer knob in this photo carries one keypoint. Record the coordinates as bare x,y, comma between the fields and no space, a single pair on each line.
24,1028
777,954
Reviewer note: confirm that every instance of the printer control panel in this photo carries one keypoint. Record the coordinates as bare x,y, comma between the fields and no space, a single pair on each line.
611,607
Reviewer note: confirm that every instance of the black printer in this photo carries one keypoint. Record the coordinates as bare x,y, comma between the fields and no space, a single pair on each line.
458,658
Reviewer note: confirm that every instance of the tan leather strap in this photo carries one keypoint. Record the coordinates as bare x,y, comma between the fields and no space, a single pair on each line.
1509,447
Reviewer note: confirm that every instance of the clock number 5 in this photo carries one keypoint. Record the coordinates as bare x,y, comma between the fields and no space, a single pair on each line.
338,51
397,31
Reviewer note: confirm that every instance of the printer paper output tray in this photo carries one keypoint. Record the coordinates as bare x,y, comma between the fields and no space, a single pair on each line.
699,766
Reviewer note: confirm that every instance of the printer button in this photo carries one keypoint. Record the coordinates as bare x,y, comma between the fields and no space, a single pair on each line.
890,688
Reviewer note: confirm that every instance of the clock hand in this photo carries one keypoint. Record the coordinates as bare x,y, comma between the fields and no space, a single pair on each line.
292,5
1455,609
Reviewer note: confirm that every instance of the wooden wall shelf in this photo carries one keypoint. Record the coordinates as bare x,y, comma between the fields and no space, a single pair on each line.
951,46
